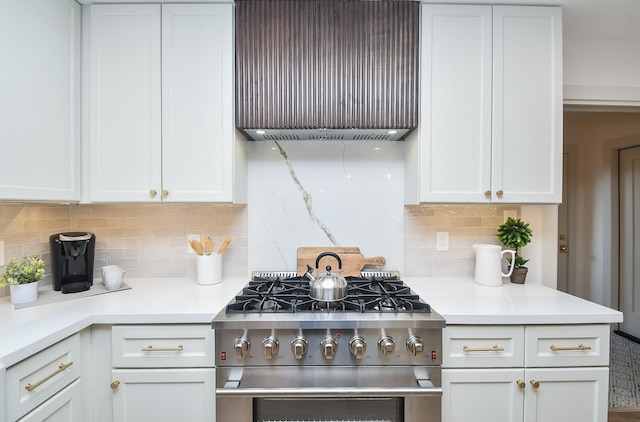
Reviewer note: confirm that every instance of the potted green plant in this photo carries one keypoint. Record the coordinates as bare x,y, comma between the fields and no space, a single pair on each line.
22,275
516,234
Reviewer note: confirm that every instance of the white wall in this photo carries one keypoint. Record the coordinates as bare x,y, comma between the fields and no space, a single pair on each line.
605,72
597,137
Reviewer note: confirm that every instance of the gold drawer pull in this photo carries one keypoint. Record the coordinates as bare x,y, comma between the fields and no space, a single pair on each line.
62,367
580,347
494,348
534,383
150,348
521,384
115,384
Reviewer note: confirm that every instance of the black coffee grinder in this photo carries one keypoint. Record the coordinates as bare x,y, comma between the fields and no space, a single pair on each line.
72,261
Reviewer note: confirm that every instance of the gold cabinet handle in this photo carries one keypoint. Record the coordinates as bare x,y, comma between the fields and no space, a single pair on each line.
150,348
493,348
580,347
115,384
62,367
499,193
165,193
534,383
153,192
521,383
487,193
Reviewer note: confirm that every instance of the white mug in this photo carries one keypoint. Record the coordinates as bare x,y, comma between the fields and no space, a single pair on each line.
112,276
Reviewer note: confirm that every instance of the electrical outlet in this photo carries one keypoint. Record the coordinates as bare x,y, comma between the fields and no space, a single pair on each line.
1,254
195,237
442,241
509,213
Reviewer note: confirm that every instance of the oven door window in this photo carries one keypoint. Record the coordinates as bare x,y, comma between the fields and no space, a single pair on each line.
328,409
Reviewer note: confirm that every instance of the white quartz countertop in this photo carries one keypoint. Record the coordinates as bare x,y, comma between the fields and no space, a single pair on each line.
180,301
461,301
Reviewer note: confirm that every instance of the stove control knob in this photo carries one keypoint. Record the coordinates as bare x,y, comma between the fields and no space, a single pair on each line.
270,347
328,347
386,345
299,347
241,346
415,346
357,345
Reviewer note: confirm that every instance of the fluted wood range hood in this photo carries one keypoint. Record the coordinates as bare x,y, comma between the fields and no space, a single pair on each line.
326,69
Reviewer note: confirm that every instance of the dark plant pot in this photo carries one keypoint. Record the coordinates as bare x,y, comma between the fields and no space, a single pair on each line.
519,275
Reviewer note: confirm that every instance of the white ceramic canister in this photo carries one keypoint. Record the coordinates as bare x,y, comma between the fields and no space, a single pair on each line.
209,269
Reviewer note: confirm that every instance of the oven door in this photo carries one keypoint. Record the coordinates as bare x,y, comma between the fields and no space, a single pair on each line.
318,394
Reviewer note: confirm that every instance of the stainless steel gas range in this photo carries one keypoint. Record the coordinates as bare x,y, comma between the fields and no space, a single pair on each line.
373,356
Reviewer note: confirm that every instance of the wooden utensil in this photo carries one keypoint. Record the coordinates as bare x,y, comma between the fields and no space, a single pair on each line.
207,246
352,260
224,244
196,246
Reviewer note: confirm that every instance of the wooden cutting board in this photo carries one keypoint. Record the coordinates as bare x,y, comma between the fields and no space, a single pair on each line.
352,260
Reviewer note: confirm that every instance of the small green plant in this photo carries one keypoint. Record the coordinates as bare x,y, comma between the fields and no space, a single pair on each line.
515,234
22,271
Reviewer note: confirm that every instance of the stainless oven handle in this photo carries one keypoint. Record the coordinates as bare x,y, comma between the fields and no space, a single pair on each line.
330,392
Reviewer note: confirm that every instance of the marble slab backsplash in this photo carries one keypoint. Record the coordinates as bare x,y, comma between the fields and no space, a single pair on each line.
324,193
331,193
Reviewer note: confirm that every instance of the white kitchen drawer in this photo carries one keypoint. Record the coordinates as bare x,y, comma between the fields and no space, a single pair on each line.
162,346
483,346
64,406
44,374
567,345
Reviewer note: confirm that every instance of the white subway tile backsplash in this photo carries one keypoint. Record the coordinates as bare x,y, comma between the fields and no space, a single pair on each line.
148,240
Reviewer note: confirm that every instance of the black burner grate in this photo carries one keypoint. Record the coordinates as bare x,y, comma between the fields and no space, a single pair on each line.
364,294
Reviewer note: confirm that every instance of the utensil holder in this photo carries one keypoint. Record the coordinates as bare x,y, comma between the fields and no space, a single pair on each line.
209,269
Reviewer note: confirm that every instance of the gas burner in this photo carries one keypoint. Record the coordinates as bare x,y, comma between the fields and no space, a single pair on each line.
282,292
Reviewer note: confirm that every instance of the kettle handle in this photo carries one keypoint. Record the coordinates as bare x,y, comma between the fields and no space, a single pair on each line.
513,259
333,254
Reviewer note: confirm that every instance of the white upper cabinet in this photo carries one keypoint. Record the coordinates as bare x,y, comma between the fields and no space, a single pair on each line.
491,106
124,136
161,125
40,100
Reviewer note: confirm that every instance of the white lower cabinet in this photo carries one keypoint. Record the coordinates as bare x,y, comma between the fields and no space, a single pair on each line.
157,373
566,394
164,395
525,373
45,386
66,406
476,394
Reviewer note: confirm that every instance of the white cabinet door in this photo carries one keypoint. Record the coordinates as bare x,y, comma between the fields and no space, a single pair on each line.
482,395
40,100
527,104
164,395
124,103
566,394
197,102
161,103
66,406
455,151
491,106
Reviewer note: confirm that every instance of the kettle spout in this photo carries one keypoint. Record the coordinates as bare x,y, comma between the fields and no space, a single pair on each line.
308,274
